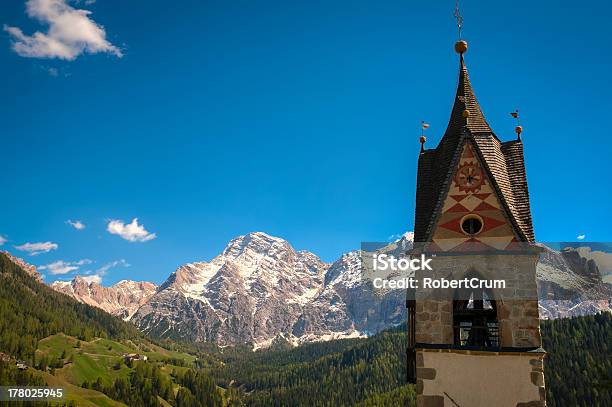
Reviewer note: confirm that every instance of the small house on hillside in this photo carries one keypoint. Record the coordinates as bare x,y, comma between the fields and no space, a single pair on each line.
134,357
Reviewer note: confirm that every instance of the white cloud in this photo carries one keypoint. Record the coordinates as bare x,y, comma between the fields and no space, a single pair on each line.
2,240
581,237
104,269
94,278
58,267
132,232
77,224
64,267
71,32
37,248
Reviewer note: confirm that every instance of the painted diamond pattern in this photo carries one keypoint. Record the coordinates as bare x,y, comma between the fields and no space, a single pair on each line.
496,233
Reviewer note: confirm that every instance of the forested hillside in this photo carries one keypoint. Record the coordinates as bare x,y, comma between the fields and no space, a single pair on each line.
84,350
578,366
371,372
31,311
344,372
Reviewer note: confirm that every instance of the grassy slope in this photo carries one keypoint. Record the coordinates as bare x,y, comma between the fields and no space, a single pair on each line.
98,357
39,323
94,359
82,397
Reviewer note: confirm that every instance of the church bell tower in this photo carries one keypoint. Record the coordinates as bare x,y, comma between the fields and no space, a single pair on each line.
477,345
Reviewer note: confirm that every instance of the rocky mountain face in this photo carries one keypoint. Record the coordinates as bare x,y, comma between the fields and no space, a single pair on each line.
122,299
261,291
30,269
571,285
349,305
253,292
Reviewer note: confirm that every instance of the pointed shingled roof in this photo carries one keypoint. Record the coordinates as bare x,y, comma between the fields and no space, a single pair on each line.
503,162
466,100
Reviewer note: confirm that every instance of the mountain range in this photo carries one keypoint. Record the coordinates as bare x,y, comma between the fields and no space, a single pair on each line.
261,291
122,299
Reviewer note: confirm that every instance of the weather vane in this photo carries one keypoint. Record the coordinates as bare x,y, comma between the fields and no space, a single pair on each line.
457,15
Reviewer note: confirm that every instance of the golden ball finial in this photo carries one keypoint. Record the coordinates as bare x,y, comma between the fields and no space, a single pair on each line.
461,47
518,130
423,139
465,114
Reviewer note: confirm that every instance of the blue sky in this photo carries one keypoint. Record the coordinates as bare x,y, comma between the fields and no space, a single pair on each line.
207,120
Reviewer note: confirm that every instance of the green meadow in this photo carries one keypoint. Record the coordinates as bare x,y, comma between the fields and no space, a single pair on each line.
72,362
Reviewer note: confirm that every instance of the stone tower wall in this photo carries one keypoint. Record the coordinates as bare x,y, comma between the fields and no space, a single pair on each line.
517,304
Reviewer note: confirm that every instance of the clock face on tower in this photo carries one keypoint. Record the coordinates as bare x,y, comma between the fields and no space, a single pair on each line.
469,177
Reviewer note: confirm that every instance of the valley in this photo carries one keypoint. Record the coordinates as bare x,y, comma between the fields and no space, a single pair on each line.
102,360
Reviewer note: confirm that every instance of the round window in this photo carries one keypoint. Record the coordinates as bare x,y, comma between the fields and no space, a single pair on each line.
471,224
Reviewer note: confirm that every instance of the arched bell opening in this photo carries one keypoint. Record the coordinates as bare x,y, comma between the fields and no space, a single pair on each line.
475,321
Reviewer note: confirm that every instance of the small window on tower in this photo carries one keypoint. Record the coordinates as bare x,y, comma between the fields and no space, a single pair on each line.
471,224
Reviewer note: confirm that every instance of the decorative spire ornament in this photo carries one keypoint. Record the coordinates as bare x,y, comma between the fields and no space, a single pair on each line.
423,139
518,129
